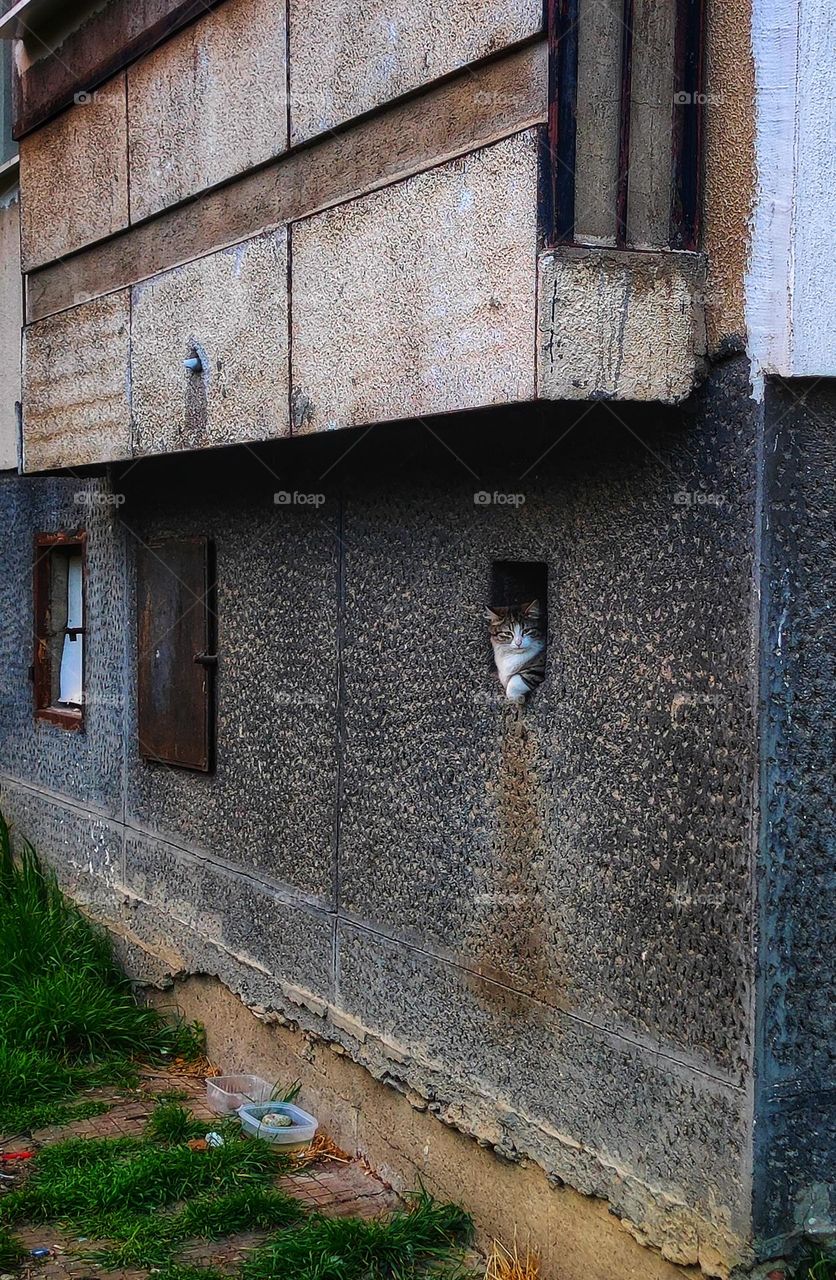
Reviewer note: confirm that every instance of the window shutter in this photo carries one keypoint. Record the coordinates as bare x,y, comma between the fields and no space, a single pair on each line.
176,658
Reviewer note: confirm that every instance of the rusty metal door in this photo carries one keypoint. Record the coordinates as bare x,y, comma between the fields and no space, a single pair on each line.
176,659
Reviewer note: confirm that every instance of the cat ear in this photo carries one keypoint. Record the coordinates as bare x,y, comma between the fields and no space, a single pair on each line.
532,609
493,616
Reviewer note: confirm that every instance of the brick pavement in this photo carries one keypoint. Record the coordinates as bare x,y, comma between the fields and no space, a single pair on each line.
328,1186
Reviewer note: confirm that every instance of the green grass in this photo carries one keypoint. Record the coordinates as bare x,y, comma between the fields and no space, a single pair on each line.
69,1022
82,1180
424,1241
142,1241
68,1016
11,1252
172,1123
815,1265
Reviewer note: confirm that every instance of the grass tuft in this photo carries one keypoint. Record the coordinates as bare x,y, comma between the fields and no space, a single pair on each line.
12,1252
83,1180
816,1264
65,1004
422,1242
172,1123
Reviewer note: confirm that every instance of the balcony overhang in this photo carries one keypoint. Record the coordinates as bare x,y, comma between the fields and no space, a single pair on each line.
22,19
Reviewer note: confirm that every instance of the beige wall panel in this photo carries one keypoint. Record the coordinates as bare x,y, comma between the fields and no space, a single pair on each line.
729,164
207,104
74,177
419,298
621,325
229,308
75,386
651,124
599,93
11,319
348,56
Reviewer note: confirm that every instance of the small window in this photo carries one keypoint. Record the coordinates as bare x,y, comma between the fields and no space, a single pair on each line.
60,628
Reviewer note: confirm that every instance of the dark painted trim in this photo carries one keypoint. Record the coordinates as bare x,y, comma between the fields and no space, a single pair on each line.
687,131
557,181
623,183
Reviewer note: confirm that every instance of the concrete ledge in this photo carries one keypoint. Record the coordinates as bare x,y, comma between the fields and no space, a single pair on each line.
619,325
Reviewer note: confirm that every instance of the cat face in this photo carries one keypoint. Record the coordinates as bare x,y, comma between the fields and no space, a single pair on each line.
517,627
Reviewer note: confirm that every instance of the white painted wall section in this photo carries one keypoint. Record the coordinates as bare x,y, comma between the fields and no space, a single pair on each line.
791,282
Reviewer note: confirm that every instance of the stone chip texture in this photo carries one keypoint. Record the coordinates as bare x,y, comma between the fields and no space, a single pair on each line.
624,326
385,841
76,385
419,298
230,309
207,104
74,177
346,58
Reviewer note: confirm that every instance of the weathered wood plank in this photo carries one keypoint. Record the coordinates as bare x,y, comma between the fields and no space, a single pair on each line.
473,109
651,113
596,159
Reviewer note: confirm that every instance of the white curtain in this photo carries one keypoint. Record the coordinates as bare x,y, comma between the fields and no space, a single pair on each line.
71,655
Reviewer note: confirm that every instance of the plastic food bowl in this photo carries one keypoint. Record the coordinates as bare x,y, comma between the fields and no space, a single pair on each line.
296,1135
225,1094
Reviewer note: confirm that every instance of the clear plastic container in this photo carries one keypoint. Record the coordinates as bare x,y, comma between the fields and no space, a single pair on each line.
296,1135
225,1094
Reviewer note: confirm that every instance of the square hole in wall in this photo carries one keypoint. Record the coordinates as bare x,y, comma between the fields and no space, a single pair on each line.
516,582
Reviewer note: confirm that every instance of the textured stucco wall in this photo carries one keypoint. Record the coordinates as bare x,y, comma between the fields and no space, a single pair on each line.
76,385
729,164
419,298
797,1019
790,284
231,309
348,57
207,104
74,176
11,319
574,882
619,325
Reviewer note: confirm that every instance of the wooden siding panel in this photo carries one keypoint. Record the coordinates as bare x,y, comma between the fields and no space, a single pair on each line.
174,628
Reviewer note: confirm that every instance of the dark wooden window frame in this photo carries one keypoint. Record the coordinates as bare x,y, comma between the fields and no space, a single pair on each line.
66,717
558,140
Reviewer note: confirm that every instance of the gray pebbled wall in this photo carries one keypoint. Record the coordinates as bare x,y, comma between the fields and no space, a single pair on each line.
796,1089
540,921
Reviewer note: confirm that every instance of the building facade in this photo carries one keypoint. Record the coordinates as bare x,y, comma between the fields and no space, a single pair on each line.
323,330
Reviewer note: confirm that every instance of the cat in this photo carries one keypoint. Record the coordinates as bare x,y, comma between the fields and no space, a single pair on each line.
518,636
